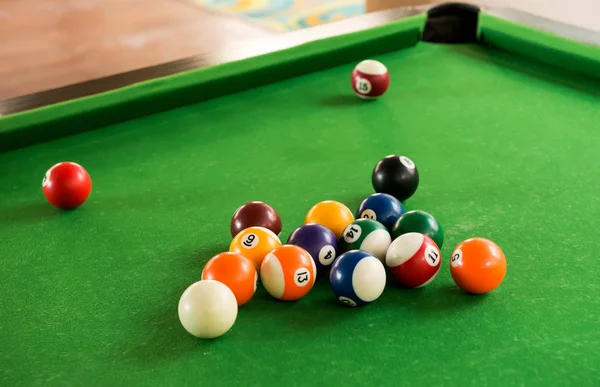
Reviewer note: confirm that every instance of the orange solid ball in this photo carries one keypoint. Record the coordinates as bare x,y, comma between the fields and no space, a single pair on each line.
478,265
288,273
331,214
254,243
236,272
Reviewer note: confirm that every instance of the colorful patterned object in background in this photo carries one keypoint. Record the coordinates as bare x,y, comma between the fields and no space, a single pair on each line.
287,15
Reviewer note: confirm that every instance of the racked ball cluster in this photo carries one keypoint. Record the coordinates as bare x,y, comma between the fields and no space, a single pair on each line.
357,251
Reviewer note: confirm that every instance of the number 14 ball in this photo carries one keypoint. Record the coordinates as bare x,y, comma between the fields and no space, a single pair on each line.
370,79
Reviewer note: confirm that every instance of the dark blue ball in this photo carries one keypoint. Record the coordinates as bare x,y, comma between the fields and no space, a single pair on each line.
381,207
319,241
357,278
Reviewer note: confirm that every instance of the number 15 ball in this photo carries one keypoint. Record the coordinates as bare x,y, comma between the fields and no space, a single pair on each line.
370,79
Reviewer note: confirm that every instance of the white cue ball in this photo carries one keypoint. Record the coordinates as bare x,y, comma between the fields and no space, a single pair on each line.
207,309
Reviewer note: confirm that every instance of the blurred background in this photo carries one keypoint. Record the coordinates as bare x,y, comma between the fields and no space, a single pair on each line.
47,44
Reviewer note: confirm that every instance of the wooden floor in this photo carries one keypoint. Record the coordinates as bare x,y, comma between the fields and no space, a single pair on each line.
46,44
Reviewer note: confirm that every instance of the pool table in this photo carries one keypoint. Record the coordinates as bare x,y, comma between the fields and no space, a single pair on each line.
499,110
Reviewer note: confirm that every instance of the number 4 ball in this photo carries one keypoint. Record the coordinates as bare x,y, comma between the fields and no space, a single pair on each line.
370,79
319,241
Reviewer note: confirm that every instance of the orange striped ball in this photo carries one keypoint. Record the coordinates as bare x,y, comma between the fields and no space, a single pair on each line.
288,272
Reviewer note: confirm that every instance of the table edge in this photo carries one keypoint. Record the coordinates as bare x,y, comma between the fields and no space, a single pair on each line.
246,49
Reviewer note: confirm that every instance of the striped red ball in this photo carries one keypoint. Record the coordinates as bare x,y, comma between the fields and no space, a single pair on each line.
370,79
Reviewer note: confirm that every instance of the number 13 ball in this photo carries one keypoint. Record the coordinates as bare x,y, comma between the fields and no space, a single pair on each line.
370,79
288,272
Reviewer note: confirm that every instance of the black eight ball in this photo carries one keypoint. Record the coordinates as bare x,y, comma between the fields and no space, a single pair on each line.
395,175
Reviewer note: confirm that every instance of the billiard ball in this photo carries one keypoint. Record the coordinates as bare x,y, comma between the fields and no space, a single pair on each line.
370,79
331,214
319,241
413,260
235,271
254,243
67,185
478,265
395,175
288,273
207,309
357,278
255,213
421,222
381,207
368,235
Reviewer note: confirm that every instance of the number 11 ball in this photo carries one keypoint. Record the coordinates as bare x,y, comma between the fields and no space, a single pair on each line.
370,79
413,260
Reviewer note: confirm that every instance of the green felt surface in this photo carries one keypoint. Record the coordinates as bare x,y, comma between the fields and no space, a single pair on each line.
506,149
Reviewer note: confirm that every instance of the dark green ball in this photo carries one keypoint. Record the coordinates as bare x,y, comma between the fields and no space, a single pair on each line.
421,222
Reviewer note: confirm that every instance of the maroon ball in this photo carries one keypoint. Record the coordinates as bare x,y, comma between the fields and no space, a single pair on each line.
255,214
370,79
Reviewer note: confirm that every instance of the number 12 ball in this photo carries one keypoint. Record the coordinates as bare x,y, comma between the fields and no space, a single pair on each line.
370,79
397,176
357,278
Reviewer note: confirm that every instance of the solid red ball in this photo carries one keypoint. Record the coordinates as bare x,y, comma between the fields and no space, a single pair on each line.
67,185
370,79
